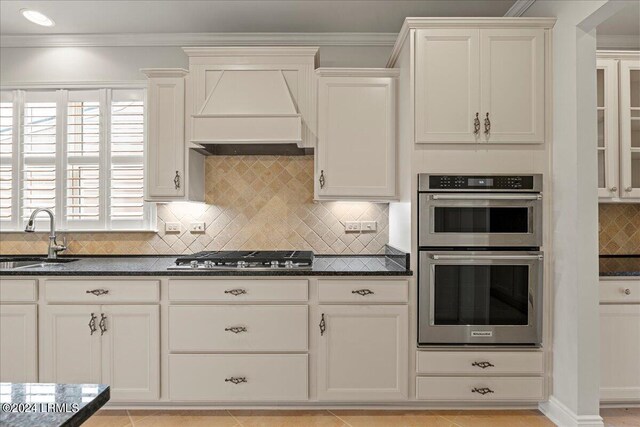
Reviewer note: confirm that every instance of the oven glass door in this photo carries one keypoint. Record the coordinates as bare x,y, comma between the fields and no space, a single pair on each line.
480,297
480,220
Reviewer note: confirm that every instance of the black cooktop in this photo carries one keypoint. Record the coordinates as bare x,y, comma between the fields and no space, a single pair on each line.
229,257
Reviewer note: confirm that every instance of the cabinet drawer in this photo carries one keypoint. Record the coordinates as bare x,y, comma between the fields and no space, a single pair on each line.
238,328
480,362
495,388
238,290
12,290
363,291
259,377
102,291
620,291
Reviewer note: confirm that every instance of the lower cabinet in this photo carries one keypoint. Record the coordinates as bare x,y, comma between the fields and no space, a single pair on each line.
620,352
455,389
114,344
18,343
362,352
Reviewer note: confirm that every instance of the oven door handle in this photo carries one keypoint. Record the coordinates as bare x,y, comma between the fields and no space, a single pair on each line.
486,196
483,257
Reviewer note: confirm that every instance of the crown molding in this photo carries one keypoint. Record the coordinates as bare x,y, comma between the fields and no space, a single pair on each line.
357,72
618,54
198,39
519,8
617,42
208,51
164,72
96,84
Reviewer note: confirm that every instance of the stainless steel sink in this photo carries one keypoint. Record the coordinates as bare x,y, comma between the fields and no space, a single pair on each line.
21,263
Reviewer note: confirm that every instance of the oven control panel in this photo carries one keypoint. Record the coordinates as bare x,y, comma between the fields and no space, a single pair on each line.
480,182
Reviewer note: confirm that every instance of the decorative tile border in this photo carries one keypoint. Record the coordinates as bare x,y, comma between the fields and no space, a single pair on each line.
619,229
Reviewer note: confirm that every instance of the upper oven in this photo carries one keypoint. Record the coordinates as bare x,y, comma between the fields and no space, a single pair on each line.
480,211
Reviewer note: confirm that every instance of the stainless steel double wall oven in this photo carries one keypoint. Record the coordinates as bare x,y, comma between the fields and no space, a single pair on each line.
480,265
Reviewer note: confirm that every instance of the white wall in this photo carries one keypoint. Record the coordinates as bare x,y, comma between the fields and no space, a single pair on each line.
92,64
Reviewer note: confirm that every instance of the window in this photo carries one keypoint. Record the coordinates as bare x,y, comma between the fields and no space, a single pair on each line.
77,152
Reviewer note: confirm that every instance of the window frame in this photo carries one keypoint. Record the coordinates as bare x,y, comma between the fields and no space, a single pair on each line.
18,96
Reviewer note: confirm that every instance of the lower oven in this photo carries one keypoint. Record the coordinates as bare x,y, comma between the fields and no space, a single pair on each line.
480,297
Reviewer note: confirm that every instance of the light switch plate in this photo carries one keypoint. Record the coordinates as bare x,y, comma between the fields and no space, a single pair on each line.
369,225
351,226
172,227
197,227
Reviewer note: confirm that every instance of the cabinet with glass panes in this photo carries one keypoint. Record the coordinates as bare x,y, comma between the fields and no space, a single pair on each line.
618,115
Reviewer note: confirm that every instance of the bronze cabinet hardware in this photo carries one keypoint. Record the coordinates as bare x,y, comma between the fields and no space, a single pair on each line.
236,329
481,391
321,179
103,324
476,124
235,380
235,292
483,365
323,325
92,323
98,292
363,292
176,180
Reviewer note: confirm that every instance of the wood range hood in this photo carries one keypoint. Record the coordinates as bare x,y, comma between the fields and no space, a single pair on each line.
250,97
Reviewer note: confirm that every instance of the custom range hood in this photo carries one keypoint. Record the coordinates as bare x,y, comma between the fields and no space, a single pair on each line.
252,98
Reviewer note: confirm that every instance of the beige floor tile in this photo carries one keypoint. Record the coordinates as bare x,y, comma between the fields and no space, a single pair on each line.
621,417
108,418
287,419
393,419
137,415
499,419
187,419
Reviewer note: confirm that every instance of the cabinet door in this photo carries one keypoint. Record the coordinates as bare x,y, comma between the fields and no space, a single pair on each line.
630,128
165,147
608,144
70,351
362,352
512,88
447,85
131,351
357,137
18,349
620,352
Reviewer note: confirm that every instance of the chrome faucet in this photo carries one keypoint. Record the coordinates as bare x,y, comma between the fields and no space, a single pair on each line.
54,247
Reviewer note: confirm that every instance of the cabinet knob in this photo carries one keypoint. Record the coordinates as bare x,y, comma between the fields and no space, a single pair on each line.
628,189
613,189
176,180
627,291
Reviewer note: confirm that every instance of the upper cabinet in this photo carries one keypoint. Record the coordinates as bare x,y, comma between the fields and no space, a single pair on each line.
252,95
356,152
480,85
618,104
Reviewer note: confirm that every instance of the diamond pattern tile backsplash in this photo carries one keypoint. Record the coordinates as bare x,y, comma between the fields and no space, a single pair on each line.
619,229
252,202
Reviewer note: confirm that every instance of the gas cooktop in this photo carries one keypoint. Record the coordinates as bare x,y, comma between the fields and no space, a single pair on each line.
254,260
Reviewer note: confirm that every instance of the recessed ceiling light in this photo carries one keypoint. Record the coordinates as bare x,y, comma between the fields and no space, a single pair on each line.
37,17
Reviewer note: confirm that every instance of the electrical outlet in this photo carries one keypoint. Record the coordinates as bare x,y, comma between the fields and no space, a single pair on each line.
351,226
368,225
172,227
196,227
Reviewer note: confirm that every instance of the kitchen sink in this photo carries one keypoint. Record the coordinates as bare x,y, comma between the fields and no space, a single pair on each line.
31,262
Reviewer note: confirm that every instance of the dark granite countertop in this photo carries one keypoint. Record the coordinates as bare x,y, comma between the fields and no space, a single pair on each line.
49,405
619,265
392,264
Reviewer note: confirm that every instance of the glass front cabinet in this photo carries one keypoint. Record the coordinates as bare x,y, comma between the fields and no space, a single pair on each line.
618,105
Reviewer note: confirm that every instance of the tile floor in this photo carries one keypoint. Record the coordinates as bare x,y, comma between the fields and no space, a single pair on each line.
240,418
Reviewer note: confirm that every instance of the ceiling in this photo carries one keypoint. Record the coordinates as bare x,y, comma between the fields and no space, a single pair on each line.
624,23
213,16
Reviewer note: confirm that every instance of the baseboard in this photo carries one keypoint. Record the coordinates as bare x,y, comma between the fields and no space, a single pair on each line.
562,416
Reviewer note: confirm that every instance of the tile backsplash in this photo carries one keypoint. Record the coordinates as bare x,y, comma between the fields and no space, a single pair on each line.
619,226
252,202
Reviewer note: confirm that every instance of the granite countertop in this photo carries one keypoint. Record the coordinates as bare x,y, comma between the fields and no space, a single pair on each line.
619,265
392,264
48,405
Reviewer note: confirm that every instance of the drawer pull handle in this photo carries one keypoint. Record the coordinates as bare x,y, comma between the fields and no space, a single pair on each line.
92,323
235,292
236,380
481,391
476,124
627,291
236,329
487,125
323,325
98,292
363,292
103,324
483,365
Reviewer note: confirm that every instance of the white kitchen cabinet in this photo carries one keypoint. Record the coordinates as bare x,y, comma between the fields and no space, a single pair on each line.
480,85
356,152
630,128
620,353
18,343
607,104
117,345
362,352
